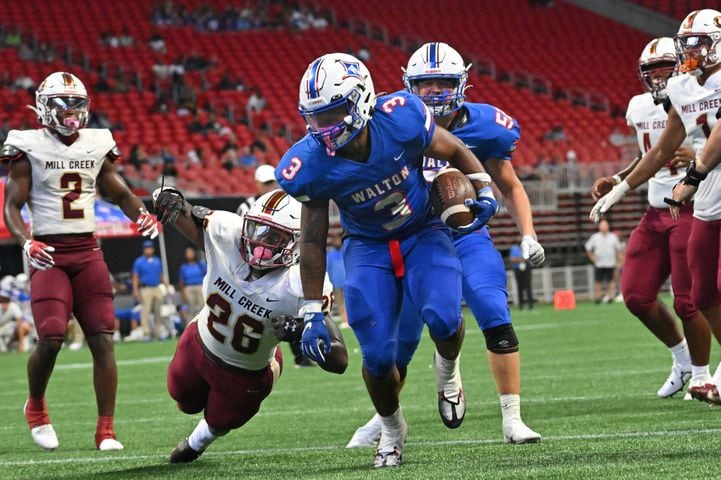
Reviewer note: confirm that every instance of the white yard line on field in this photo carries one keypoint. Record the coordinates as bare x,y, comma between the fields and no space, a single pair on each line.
276,451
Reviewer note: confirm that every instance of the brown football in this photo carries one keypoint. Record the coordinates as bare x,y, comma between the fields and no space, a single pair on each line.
450,189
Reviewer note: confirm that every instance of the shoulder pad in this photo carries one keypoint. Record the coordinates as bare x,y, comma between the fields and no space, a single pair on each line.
8,153
667,105
199,214
114,154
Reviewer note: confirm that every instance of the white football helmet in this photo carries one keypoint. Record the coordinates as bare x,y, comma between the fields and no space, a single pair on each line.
698,41
438,60
61,102
336,99
271,230
656,65
21,282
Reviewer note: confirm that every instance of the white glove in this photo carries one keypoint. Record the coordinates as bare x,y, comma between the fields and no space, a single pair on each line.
605,203
532,251
38,254
148,225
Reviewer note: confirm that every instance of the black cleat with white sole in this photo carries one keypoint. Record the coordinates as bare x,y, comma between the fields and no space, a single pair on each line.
183,453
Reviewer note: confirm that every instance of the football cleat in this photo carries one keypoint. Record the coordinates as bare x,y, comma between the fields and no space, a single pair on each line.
677,379
390,448
367,435
108,444
515,431
183,453
451,401
41,429
707,392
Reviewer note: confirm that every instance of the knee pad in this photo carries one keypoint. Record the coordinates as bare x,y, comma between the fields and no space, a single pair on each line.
501,339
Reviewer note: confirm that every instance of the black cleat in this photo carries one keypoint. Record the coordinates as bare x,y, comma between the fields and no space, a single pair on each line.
183,453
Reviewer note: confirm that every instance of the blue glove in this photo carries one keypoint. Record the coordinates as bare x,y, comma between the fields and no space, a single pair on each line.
314,332
485,208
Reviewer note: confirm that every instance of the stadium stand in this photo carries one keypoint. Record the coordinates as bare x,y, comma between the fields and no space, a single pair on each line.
676,8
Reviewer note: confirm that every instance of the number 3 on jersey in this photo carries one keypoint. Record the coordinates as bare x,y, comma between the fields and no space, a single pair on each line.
396,205
247,331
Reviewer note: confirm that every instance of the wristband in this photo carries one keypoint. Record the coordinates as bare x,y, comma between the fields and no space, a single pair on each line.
693,177
479,177
617,178
486,191
310,307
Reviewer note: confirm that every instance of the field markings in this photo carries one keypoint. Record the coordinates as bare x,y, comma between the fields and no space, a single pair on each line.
323,448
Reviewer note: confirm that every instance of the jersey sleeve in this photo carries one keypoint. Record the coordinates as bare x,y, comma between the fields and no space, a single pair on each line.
417,115
629,112
15,146
295,172
504,135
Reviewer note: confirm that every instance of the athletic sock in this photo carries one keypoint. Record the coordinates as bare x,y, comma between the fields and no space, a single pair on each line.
201,437
447,372
510,406
36,412
681,355
104,429
700,373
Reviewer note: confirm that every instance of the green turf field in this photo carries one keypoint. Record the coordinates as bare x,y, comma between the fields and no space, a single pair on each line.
590,378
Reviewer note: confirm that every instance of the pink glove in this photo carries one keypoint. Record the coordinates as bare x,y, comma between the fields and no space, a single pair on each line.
148,224
39,254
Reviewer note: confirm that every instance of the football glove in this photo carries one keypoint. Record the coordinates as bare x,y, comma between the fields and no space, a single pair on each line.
38,254
605,203
148,225
314,331
169,204
484,209
532,251
287,328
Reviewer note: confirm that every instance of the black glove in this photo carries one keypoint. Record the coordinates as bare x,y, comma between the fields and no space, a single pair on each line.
169,203
287,328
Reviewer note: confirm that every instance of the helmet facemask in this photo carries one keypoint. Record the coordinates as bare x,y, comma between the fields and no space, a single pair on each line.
266,245
654,77
66,114
448,101
697,52
336,124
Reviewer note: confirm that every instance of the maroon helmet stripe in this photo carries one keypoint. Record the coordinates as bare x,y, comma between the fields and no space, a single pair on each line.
272,203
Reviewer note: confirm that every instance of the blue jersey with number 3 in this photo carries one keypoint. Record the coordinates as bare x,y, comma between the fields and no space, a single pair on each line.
385,197
488,132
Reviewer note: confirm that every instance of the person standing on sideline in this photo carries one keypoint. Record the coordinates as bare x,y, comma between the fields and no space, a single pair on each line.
603,249
191,281
147,278
522,272
264,183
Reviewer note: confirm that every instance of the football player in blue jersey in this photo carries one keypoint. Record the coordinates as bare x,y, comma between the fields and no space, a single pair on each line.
437,74
365,153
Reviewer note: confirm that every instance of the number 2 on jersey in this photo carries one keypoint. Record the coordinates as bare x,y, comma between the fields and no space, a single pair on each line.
74,179
246,333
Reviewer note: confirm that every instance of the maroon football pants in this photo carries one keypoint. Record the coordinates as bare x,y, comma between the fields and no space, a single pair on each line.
703,260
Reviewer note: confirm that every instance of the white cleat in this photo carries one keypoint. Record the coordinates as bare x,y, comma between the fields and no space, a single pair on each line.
368,435
451,400
515,431
45,437
390,449
110,444
677,379
75,346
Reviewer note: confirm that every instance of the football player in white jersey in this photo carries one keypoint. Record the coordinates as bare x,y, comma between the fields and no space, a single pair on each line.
657,246
55,170
228,358
693,106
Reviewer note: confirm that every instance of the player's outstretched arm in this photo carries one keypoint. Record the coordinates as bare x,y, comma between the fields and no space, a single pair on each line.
289,329
171,208
113,185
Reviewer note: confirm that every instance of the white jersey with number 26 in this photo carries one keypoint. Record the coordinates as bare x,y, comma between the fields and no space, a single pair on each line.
235,323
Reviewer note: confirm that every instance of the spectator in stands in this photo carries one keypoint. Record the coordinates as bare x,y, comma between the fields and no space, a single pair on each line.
13,38
125,38
256,102
226,82
147,279
229,160
364,53
169,175
248,159
604,249
191,275
13,328
24,82
524,278
555,134
264,183
157,43
137,156
194,156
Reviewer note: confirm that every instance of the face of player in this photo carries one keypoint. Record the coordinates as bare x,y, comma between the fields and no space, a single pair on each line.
69,110
654,77
435,86
264,245
692,51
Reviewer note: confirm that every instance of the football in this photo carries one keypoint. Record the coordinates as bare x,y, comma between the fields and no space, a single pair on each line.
450,189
